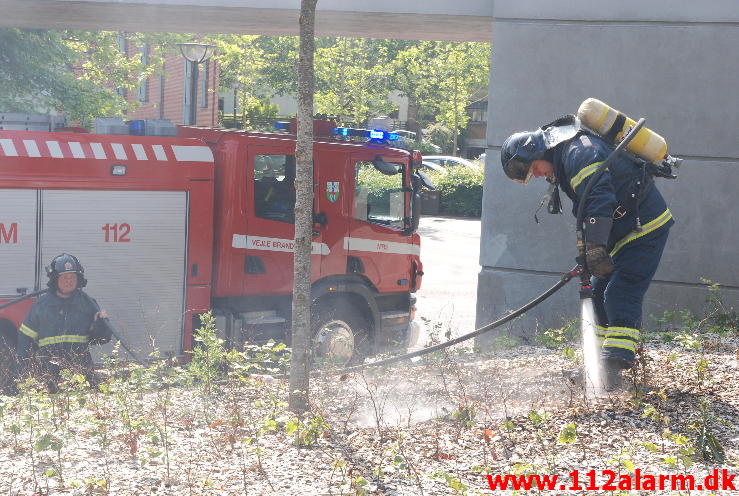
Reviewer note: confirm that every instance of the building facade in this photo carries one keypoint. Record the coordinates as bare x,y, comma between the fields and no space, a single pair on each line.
167,93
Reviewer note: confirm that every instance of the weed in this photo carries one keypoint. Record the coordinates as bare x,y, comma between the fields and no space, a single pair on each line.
209,353
707,446
561,338
454,483
307,431
465,415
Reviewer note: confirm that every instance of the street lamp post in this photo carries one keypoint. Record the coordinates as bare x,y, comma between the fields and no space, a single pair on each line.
195,53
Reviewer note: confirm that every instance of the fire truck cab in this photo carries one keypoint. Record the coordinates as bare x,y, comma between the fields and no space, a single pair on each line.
170,227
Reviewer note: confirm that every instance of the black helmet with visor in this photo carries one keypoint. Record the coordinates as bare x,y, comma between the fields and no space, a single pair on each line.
518,151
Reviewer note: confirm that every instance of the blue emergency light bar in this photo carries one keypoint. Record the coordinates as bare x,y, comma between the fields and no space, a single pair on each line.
282,126
373,134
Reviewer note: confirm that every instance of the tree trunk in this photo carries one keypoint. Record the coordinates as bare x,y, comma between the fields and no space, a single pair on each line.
412,123
301,323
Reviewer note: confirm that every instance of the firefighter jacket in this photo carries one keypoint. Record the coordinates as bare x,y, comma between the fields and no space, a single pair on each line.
625,192
61,328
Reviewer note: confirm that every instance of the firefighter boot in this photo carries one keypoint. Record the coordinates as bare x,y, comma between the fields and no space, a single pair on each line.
611,372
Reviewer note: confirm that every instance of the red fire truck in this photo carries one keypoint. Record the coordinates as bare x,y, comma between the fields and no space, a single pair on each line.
170,227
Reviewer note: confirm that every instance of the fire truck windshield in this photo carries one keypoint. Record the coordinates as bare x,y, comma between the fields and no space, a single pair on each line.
379,197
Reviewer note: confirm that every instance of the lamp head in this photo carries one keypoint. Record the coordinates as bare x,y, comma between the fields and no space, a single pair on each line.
196,52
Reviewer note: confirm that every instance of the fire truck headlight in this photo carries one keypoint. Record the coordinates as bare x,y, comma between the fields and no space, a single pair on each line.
118,170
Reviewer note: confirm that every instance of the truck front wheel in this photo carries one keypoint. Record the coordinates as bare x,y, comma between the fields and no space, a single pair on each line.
340,337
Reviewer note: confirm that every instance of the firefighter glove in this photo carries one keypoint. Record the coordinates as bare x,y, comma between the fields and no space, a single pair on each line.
598,260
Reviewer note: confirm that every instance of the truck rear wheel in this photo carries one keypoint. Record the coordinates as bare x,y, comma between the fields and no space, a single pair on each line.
340,337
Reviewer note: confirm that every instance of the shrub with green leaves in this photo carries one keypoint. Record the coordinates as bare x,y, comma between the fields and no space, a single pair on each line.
460,191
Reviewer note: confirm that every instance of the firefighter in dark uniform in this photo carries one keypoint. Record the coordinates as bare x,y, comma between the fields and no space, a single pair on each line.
626,226
61,325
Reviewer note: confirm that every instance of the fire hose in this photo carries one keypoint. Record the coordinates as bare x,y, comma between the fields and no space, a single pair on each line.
581,269
564,279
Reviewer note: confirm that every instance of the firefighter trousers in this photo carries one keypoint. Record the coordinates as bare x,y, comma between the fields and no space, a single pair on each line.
618,298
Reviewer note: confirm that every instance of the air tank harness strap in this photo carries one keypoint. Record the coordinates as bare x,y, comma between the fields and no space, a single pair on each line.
617,126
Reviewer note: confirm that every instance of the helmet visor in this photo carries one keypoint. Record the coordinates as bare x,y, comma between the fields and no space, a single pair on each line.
518,170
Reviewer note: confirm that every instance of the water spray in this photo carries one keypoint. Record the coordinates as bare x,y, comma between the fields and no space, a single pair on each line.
593,381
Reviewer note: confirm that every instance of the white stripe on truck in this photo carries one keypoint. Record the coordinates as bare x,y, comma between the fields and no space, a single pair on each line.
192,153
380,246
274,244
8,148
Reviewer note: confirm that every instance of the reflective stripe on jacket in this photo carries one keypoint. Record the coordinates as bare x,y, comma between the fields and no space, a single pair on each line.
61,326
623,185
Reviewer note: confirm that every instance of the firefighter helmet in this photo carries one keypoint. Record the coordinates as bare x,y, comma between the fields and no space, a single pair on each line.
61,264
519,150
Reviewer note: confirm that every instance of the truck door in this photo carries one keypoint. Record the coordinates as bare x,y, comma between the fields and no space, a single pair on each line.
269,241
334,178
133,246
18,212
376,245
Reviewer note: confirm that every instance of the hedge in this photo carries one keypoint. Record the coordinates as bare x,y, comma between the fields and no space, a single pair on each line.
460,191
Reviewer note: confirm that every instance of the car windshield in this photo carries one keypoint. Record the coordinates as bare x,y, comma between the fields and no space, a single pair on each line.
450,161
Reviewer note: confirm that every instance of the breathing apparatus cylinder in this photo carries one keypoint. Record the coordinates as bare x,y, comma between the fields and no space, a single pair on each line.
613,125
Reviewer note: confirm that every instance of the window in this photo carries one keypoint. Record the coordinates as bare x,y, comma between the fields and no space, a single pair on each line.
144,85
479,115
379,198
274,187
204,84
121,48
187,105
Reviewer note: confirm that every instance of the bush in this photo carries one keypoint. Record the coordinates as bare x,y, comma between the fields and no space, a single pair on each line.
442,136
460,191
425,147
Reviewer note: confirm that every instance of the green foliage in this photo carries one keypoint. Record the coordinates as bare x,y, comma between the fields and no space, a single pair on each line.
269,358
454,483
705,444
425,147
465,415
688,328
555,338
208,354
307,431
538,418
568,435
352,78
355,76
460,191
76,73
442,136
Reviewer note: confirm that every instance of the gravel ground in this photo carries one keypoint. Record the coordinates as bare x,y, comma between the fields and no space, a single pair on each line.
436,426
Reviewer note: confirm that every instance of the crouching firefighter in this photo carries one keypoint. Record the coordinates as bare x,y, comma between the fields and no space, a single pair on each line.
60,326
626,225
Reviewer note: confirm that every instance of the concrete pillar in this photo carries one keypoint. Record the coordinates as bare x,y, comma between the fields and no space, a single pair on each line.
677,65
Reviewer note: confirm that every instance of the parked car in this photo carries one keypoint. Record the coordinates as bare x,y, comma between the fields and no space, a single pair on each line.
410,136
449,161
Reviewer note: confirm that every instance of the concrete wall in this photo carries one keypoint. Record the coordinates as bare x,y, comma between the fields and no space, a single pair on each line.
677,65
461,20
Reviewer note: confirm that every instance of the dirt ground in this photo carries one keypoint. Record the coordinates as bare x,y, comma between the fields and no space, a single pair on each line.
436,426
